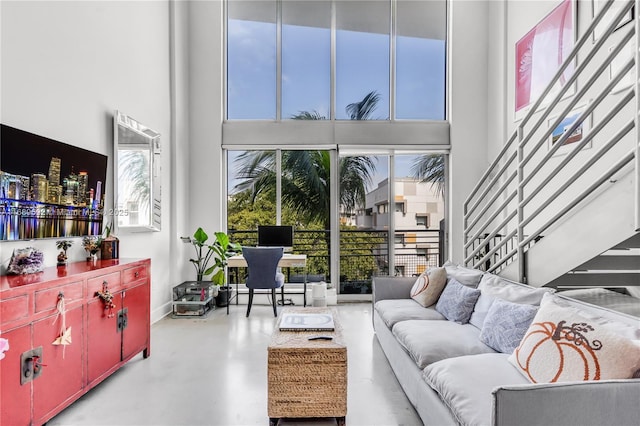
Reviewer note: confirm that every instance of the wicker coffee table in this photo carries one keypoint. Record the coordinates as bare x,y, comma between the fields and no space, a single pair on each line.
307,378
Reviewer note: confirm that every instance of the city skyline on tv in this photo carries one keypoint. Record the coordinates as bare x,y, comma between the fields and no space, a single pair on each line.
48,189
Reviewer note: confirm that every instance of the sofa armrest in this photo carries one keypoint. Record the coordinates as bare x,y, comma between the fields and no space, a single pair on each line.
392,288
572,403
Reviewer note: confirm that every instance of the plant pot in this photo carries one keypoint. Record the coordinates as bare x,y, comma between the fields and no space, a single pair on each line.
224,294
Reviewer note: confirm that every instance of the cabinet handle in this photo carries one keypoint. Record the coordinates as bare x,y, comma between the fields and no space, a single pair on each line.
136,274
31,365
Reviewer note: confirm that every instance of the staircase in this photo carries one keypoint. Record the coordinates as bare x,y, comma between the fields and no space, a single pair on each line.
558,214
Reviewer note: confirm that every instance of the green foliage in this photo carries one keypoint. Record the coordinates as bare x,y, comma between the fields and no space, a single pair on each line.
430,168
218,252
64,245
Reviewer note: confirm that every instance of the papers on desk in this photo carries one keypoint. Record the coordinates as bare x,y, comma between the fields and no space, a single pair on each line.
306,322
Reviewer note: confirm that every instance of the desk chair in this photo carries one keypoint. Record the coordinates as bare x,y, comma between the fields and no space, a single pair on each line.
262,263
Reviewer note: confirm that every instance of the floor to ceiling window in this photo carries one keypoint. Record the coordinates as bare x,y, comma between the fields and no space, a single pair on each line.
307,79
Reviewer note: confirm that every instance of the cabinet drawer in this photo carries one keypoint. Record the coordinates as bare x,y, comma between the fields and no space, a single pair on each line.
14,308
134,274
95,284
46,300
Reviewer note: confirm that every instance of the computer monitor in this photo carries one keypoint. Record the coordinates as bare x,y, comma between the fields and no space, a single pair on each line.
275,236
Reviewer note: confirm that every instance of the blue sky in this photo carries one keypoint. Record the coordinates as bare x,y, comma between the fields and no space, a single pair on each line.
362,66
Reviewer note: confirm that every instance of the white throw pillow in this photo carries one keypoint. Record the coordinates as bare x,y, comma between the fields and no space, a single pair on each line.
564,345
428,286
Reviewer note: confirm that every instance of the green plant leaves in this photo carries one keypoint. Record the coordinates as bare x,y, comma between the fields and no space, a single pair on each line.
200,236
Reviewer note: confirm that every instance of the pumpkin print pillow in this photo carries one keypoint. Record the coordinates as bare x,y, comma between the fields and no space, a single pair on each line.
562,345
428,286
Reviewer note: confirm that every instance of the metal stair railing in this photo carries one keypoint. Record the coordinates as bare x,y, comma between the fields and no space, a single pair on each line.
501,207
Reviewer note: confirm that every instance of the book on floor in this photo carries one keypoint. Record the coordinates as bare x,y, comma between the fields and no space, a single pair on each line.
306,322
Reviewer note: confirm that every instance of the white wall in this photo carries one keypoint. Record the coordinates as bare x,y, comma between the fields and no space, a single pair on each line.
66,66
468,71
207,173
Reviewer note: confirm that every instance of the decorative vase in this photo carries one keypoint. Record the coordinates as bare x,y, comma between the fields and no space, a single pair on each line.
110,248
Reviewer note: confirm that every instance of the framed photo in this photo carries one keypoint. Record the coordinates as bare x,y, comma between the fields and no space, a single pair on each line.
618,62
611,13
540,53
578,134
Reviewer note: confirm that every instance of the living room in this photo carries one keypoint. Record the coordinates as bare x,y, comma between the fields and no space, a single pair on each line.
67,66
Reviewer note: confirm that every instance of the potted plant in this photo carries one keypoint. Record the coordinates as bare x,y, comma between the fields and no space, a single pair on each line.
63,246
216,253
91,244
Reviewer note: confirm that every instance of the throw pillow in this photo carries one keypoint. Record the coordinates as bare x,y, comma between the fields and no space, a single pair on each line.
428,286
457,301
563,345
465,276
505,325
496,287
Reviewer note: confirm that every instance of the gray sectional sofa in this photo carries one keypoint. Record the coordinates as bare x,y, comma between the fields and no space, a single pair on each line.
451,377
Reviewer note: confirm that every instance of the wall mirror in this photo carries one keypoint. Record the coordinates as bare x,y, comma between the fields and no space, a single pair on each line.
137,201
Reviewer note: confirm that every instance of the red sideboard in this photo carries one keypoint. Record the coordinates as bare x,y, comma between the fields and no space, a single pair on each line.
39,379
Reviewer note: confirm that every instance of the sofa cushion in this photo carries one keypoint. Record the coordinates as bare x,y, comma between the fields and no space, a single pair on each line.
394,310
563,345
506,324
428,286
465,276
494,287
430,341
465,384
457,301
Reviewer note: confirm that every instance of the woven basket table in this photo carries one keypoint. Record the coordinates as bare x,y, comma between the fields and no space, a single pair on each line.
307,378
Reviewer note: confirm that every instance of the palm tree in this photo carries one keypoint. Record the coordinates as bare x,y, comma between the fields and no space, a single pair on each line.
362,110
430,168
306,181
305,174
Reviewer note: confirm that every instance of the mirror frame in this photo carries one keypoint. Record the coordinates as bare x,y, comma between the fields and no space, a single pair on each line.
145,139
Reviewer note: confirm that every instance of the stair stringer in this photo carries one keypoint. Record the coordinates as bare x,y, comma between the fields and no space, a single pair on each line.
596,225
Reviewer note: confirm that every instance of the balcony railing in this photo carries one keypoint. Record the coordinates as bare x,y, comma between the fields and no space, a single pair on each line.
363,254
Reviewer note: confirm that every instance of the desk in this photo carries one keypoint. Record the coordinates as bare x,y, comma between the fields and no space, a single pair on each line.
287,261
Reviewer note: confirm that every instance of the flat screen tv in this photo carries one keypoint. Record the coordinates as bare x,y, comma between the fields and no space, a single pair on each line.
48,189
275,236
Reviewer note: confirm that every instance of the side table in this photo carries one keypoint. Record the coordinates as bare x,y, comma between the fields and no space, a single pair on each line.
307,378
193,298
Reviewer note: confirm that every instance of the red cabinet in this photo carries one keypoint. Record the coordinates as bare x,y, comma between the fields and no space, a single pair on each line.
39,379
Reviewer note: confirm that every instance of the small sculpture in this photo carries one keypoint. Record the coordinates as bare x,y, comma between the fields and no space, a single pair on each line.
63,245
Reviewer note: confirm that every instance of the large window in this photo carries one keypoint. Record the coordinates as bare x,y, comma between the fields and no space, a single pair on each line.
329,105
336,60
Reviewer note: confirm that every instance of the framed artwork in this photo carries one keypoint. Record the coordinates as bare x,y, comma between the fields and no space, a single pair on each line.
618,62
611,13
578,134
540,53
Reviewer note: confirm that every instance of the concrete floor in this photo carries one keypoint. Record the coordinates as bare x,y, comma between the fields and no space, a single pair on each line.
213,371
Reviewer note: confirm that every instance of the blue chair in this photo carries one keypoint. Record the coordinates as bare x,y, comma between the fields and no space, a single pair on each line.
262,263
